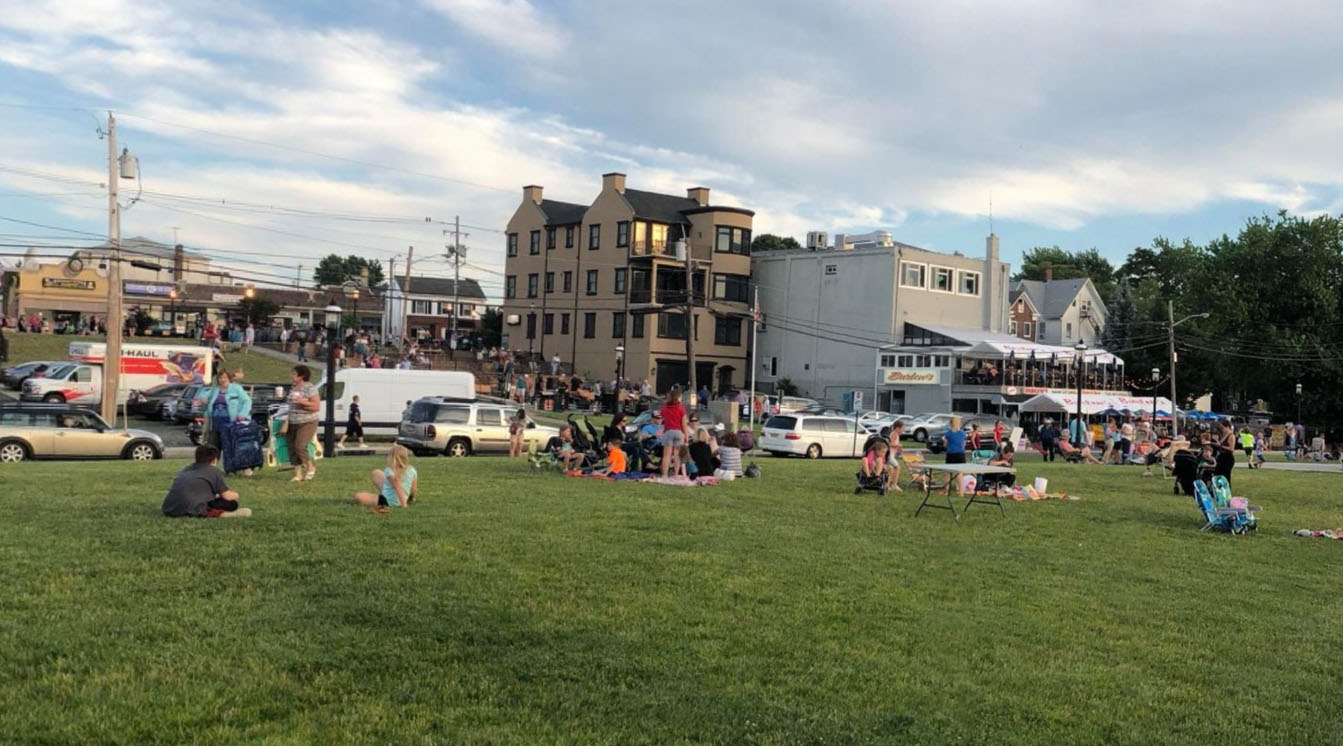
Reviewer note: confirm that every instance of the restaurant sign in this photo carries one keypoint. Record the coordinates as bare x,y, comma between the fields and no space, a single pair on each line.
67,284
910,376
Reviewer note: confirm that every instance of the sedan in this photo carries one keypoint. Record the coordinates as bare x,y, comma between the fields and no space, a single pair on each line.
149,403
14,376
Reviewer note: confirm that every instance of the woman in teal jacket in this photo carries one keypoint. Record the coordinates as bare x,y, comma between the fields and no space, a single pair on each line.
225,403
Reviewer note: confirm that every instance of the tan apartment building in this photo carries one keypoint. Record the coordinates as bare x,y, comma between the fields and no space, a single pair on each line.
584,281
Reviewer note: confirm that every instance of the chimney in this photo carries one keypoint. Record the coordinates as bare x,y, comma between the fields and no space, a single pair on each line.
699,194
614,181
177,263
1049,273
532,192
991,290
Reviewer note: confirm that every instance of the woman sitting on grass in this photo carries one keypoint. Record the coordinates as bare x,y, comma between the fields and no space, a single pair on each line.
1004,457
397,485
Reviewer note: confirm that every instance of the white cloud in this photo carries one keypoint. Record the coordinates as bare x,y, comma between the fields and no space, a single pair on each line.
513,25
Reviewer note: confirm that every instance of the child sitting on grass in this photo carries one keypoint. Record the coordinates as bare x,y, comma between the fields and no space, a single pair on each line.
199,490
876,468
616,462
397,485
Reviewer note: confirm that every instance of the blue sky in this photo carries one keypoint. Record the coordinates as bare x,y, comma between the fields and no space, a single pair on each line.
1086,124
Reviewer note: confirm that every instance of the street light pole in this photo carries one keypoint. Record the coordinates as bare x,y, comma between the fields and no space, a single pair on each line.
118,167
329,430
1298,404
1170,317
620,363
1080,349
1156,379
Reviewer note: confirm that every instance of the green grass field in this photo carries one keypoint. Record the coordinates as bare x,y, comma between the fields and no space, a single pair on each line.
257,367
514,608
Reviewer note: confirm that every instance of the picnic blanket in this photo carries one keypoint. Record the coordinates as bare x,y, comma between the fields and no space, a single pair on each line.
1328,533
1028,492
639,476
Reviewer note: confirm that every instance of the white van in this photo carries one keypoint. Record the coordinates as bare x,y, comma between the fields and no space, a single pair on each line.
384,392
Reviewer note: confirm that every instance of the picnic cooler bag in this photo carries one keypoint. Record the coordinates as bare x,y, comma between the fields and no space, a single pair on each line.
245,452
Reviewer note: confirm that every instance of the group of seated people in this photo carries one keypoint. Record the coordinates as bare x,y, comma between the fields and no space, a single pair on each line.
711,452
883,456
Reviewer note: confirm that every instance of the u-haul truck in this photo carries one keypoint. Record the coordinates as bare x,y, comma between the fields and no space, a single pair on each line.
142,367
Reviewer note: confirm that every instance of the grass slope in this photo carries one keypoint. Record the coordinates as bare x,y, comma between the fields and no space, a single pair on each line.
257,367
512,608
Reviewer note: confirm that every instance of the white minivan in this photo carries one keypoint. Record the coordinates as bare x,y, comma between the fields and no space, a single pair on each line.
813,436
384,393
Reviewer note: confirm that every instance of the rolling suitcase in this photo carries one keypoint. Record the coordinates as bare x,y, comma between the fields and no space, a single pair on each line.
245,447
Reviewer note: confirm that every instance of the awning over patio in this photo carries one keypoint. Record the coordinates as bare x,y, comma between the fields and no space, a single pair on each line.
1023,350
1095,404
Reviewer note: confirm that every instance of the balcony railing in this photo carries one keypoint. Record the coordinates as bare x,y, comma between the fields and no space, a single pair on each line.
651,247
1056,378
666,297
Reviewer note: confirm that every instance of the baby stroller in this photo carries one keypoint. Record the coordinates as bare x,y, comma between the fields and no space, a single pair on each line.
1184,467
585,442
867,483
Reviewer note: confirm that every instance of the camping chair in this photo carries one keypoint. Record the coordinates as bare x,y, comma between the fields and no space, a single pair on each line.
1072,454
981,457
914,468
541,459
1222,499
1233,521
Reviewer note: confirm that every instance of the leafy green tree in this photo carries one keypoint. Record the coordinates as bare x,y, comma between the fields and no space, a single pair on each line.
1066,265
334,270
491,328
258,310
771,242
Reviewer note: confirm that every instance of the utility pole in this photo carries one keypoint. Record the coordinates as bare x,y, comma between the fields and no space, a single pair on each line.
455,256
405,298
1170,318
298,277
386,310
755,343
690,318
115,323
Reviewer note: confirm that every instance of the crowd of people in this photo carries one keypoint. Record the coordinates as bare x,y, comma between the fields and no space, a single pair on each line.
38,323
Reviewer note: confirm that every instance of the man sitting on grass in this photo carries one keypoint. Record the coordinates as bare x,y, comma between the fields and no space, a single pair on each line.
199,490
562,448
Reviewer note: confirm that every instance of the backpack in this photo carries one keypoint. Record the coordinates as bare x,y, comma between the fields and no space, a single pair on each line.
752,471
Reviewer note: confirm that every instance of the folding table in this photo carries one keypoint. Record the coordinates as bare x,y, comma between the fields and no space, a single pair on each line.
954,471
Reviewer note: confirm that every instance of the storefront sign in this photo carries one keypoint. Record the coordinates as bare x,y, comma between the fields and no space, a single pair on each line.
225,298
909,376
155,289
64,284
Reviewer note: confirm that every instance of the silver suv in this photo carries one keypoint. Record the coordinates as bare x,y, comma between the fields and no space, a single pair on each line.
460,427
61,431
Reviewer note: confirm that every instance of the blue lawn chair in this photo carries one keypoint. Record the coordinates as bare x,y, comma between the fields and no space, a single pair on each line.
1233,521
1221,498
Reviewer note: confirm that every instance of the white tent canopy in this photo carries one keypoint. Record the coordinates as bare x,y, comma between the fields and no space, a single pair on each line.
1094,403
1022,350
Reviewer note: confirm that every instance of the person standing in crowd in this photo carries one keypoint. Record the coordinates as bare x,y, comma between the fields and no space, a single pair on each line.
555,365
955,442
301,341
1049,440
999,432
305,404
225,403
1224,450
1110,438
354,425
673,433
249,336
1125,441
704,396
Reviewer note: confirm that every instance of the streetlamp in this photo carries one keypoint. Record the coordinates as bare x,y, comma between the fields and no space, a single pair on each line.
1156,378
332,329
351,288
531,329
620,363
1170,315
1298,404
1079,350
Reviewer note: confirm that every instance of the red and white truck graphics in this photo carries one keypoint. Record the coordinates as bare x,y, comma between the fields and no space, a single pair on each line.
142,367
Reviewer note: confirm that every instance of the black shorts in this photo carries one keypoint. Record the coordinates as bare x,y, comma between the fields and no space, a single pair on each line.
956,458
382,501
354,430
1249,452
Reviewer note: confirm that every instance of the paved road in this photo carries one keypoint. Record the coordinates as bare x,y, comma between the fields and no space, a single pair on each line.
1304,466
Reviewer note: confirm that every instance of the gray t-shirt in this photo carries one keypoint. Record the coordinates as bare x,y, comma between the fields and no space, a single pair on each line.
302,392
729,459
192,489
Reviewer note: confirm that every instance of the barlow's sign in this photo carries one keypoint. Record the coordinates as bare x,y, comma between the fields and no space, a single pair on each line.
910,376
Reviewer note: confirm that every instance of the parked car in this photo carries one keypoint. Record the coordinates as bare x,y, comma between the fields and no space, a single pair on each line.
63,431
812,436
178,410
149,403
14,376
461,427
788,404
921,426
164,329
265,397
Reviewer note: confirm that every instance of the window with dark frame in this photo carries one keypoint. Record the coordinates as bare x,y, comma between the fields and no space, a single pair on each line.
564,323
548,324
592,282
512,244
623,234
620,281
637,326
568,281
534,247
590,325
671,325
618,324
532,281
511,286
727,331
568,237
550,238
594,236
731,287
729,240
550,282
